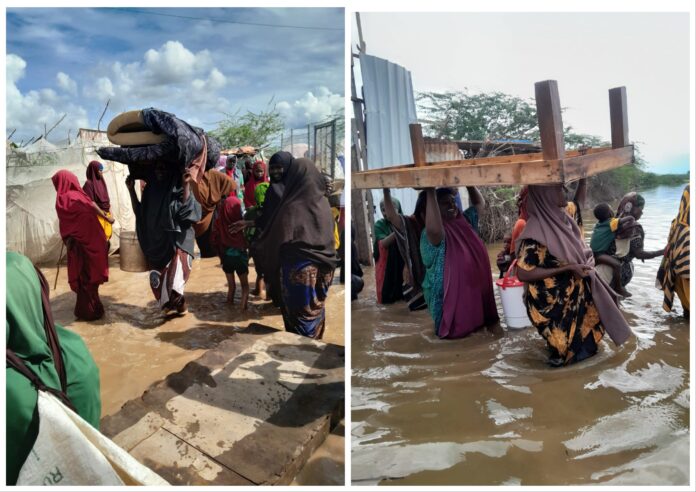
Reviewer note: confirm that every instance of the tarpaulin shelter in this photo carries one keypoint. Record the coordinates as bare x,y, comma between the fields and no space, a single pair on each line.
32,224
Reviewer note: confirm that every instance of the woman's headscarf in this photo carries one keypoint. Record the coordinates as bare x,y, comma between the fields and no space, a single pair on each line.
676,262
275,192
229,212
209,192
260,193
250,185
628,203
301,223
45,348
383,228
549,225
78,219
95,187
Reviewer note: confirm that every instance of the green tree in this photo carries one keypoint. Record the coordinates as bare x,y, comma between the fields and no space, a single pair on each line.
255,129
458,115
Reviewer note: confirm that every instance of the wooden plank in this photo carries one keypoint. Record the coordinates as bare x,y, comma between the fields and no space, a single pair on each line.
429,176
583,166
494,174
550,122
417,144
619,117
537,156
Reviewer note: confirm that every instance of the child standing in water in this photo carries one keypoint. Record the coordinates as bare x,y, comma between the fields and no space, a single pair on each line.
603,235
232,248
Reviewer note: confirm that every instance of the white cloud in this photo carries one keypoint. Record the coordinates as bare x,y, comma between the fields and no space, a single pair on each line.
170,73
15,68
66,83
215,81
30,112
173,63
311,107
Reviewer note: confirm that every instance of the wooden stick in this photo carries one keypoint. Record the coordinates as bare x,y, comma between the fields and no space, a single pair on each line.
103,113
60,257
57,123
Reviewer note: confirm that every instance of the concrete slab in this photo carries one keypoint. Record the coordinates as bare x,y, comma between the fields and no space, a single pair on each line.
250,411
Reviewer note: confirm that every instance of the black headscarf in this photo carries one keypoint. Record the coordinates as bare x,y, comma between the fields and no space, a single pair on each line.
275,191
301,225
163,221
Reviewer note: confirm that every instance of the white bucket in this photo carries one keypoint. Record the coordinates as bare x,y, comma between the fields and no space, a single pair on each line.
511,292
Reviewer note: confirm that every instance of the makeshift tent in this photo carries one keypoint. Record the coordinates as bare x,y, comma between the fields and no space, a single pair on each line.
32,224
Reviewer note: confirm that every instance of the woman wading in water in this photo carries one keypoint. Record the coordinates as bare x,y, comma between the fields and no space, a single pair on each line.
568,303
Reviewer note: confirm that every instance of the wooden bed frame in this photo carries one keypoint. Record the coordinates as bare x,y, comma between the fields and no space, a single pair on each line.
552,165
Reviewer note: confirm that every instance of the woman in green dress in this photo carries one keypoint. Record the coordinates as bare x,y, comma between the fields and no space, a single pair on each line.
57,357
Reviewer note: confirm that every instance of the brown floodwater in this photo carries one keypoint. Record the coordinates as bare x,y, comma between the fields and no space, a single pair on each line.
135,345
487,410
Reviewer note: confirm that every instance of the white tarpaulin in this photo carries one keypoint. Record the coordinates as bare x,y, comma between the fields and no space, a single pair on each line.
32,224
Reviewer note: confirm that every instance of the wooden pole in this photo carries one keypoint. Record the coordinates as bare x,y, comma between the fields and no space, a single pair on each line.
360,35
333,149
417,144
103,113
619,117
550,123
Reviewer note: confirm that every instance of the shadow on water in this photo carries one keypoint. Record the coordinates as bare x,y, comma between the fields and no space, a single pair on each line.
487,410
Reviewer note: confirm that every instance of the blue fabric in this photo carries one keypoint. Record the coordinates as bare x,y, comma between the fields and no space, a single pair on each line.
433,283
471,214
305,287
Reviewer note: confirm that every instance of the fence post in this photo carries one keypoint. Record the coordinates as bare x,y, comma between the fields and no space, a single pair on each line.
333,149
315,144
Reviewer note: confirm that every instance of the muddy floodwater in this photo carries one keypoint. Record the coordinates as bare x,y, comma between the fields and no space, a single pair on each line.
134,345
487,410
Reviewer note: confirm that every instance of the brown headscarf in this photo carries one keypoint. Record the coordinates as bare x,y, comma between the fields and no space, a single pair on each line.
209,192
549,225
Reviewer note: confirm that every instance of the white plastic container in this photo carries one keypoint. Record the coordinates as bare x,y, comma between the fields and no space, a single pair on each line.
511,292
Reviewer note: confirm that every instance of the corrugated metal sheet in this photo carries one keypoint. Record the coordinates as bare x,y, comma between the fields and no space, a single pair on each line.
389,109
441,150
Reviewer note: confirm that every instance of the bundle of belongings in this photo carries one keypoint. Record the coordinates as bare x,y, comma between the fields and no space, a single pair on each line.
153,135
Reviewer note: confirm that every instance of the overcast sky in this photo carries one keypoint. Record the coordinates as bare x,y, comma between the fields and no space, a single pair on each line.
587,53
73,60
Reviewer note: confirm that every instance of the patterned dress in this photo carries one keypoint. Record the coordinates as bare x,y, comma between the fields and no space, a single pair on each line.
305,286
560,307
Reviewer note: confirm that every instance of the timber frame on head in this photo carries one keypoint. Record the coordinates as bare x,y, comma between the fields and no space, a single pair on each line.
552,165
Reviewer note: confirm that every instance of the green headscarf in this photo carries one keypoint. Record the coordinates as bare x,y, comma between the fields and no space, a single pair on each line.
260,193
25,335
383,228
